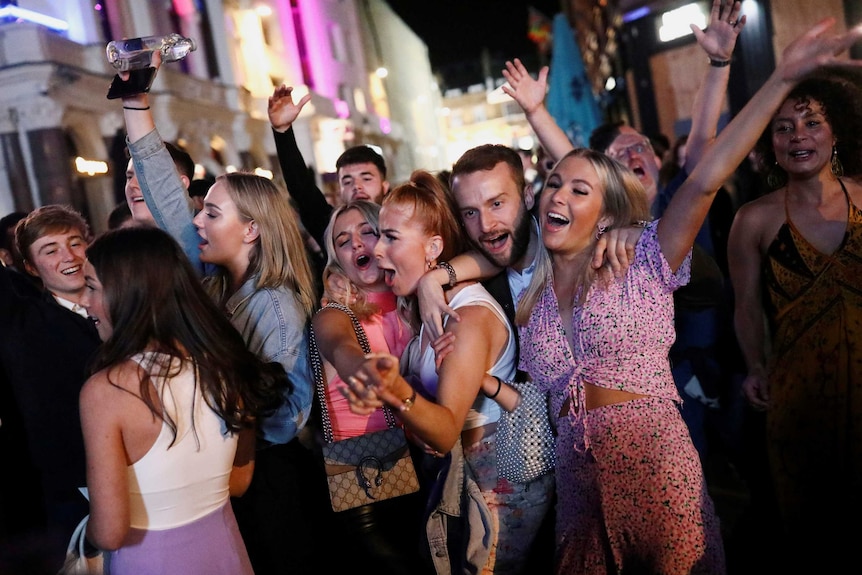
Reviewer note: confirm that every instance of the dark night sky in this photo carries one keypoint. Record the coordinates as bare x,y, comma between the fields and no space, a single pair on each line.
456,31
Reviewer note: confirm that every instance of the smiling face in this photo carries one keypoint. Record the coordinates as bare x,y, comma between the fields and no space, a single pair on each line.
571,206
224,232
58,259
494,214
361,181
632,149
802,138
135,198
404,248
94,300
354,240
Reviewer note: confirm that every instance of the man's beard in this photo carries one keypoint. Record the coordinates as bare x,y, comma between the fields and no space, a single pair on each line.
520,237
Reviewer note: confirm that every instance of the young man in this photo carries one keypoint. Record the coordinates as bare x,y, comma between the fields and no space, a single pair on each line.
361,170
46,341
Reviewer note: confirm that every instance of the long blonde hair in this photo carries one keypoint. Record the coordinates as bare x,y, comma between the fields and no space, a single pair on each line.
356,297
624,202
279,256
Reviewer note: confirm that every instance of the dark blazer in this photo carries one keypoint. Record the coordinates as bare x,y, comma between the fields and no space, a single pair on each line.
45,350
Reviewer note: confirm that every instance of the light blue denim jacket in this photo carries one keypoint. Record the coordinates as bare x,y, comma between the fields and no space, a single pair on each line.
269,320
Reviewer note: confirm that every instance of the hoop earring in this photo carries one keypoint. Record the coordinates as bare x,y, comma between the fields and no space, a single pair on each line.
776,178
837,168
600,230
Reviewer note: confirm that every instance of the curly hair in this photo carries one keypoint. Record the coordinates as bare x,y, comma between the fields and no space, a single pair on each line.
840,94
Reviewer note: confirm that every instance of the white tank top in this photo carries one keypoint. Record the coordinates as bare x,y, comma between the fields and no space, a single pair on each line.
170,487
483,410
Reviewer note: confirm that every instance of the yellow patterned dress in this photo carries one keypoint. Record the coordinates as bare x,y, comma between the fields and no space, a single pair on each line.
814,422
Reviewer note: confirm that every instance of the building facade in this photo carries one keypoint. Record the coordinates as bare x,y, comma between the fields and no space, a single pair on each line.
62,141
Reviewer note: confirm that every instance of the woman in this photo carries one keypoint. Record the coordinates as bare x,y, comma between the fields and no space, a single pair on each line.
801,247
258,272
445,410
169,415
631,487
386,533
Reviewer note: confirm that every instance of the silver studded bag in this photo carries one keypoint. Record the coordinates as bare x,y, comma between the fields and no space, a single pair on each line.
525,441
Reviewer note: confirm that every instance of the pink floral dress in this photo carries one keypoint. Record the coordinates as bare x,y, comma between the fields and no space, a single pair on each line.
629,481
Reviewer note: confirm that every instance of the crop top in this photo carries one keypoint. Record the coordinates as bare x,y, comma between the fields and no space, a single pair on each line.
173,485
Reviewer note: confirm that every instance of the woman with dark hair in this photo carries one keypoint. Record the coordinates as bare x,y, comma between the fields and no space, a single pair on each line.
796,259
169,414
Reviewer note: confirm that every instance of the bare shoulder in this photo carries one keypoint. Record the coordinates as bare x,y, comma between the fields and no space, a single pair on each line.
762,217
854,189
113,383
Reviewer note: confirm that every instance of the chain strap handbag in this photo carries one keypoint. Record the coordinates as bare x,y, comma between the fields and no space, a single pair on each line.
369,468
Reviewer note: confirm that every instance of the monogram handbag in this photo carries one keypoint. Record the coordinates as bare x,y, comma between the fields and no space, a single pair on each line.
77,562
368,468
525,441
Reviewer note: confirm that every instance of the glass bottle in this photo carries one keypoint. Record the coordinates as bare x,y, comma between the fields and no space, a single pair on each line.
136,53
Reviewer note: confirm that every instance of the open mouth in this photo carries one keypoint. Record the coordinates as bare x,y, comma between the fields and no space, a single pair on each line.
362,262
800,154
71,270
555,220
496,242
389,277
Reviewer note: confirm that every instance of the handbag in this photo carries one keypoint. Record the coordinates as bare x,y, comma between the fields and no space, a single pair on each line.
369,468
525,440
77,562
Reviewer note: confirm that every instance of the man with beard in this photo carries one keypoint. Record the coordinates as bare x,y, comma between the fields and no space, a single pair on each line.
490,193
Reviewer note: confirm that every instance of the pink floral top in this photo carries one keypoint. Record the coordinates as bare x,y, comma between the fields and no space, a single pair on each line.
623,332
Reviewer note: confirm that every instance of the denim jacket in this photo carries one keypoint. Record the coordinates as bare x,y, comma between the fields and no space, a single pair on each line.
459,526
269,320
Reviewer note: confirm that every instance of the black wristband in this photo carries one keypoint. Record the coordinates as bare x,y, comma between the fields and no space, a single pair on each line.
719,63
133,108
499,387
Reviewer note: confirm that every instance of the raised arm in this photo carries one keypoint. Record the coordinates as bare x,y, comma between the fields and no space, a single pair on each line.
161,185
311,204
530,93
688,208
717,42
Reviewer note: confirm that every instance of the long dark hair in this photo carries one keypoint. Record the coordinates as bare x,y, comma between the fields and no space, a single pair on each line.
155,301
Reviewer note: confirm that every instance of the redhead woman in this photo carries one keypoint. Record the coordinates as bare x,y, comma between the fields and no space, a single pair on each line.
386,533
444,407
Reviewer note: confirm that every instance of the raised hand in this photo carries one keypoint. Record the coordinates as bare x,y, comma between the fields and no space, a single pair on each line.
529,92
815,49
281,108
725,24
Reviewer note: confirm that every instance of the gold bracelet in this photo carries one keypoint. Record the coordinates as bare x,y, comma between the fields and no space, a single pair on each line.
407,404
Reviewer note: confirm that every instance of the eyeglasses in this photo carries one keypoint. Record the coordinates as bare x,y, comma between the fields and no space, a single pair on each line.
619,154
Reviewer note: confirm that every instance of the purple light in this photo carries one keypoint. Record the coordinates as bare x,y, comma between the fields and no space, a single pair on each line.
97,7
385,125
342,109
